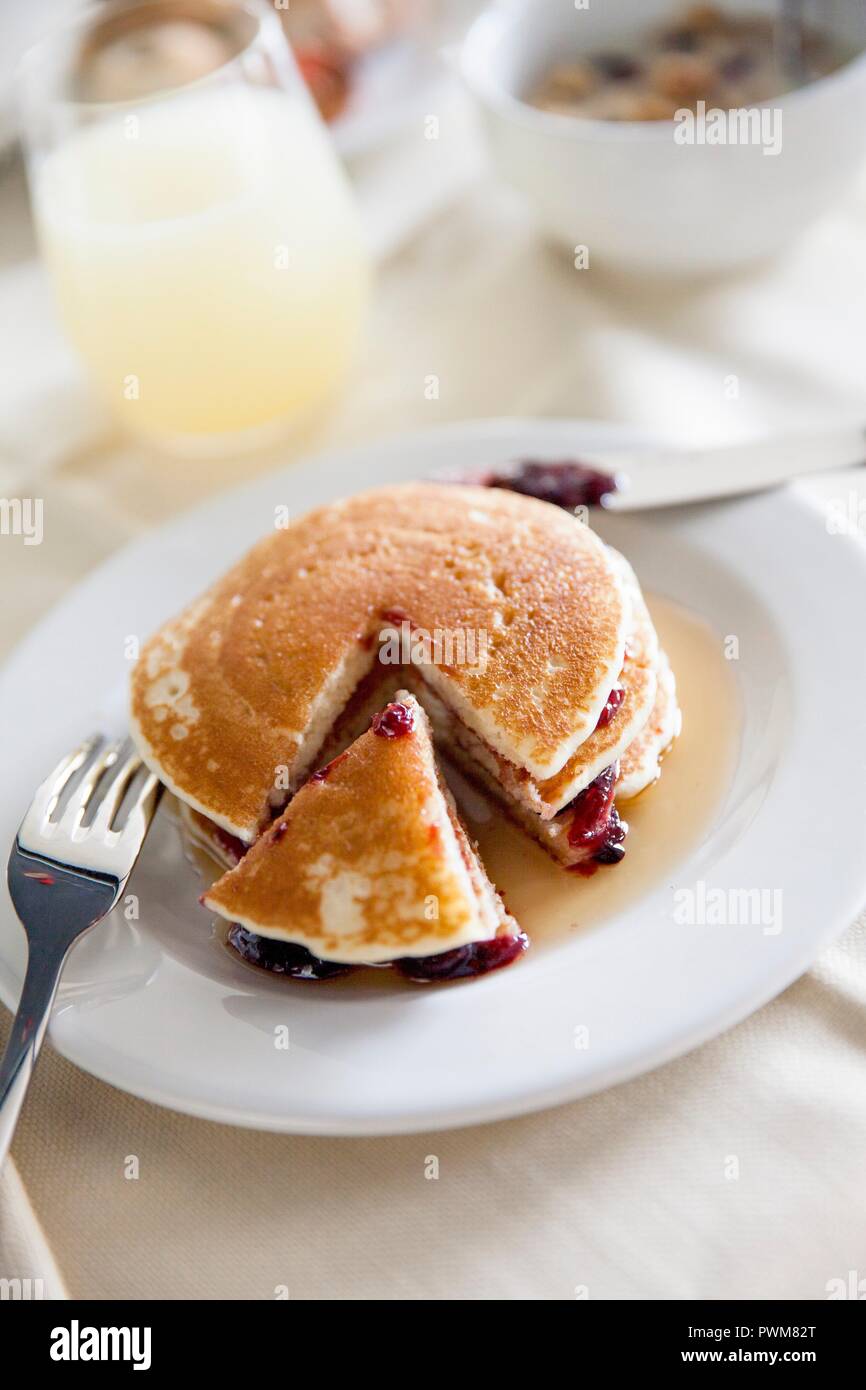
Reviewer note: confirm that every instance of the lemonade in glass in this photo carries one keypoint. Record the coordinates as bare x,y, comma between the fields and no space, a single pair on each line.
202,238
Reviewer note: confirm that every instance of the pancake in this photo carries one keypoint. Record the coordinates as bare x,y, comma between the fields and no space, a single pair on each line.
604,746
369,863
233,700
637,768
556,811
642,761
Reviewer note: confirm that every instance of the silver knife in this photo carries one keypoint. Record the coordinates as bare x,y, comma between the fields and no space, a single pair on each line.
671,477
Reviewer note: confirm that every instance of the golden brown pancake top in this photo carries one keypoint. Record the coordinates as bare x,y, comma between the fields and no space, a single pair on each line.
246,682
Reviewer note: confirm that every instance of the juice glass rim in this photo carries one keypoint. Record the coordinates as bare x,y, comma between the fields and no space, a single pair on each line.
30,78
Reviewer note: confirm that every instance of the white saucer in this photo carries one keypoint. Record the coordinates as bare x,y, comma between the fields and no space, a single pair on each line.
158,1007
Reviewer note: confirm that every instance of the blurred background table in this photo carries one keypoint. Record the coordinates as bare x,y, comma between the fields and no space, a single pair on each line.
627,1194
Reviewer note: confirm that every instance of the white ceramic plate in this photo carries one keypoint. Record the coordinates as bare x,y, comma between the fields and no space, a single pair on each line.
158,1008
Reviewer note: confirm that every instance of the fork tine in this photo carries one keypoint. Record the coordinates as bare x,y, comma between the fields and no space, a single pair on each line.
48,793
142,809
77,878
81,796
115,792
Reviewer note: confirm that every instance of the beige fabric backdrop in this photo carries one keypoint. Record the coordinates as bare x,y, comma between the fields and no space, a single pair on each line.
626,1194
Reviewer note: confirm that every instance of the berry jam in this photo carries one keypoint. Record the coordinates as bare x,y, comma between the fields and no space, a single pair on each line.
614,700
566,484
393,721
233,847
596,829
592,811
465,962
324,772
283,957
613,849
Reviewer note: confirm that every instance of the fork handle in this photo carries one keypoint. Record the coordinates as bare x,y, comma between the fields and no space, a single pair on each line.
25,1040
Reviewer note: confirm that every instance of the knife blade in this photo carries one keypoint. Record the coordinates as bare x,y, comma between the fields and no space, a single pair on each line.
671,477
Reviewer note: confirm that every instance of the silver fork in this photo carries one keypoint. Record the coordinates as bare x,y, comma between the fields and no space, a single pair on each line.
64,876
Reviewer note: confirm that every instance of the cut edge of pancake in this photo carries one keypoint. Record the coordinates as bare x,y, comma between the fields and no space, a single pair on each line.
518,787
641,763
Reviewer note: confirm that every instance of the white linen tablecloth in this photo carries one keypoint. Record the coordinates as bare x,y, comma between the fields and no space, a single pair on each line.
626,1194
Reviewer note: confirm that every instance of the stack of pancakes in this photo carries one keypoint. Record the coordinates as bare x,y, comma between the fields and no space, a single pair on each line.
530,648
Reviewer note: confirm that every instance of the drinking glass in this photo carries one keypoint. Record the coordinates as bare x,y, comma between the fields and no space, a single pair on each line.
200,232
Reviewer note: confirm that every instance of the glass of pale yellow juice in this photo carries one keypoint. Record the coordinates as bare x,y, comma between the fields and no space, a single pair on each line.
201,234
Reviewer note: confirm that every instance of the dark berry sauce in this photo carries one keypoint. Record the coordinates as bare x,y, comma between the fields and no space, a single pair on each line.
614,700
613,849
231,844
393,721
463,963
283,957
566,484
596,829
324,772
591,812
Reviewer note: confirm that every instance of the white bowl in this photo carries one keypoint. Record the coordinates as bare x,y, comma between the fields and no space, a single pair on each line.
626,190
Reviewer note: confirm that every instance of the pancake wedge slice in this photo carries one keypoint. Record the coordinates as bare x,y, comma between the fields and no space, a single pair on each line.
369,863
